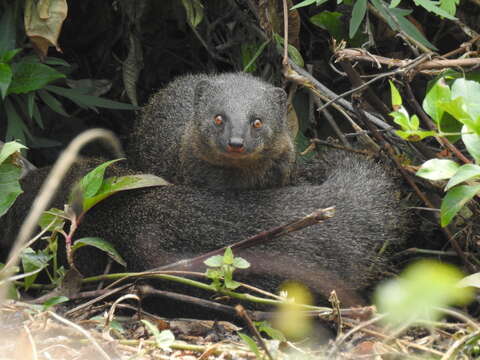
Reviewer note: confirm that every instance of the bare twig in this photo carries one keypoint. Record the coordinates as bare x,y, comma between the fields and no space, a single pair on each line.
355,54
408,67
147,290
285,33
352,331
457,314
32,343
465,47
263,237
83,331
303,78
243,314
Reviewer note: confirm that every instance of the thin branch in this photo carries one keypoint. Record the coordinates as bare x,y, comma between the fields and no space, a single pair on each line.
303,78
285,33
263,237
354,54
83,331
242,313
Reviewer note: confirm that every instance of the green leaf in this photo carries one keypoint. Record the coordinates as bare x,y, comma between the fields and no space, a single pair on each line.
9,149
438,169
52,102
249,61
122,183
5,78
194,10
292,51
432,7
330,21
228,256
8,28
230,283
439,92
51,60
16,129
54,216
54,301
464,173
419,291
31,76
454,201
470,92
358,14
33,261
410,29
214,274
92,182
264,326
9,186
410,125
472,143
30,103
214,261
37,115
307,3
402,118
100,244
89,101
458,109
163,339
114,324
7,56
394,3
414,135
450,6
414,121
396,98
252,345
378,5
295,55
240,263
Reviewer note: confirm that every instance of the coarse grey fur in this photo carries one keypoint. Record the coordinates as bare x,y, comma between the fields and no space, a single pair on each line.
176,136
157,226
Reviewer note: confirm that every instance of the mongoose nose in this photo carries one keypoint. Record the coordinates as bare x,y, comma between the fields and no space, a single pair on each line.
235,144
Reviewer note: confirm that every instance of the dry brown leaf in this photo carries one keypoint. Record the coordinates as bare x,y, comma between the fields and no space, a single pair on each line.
43,23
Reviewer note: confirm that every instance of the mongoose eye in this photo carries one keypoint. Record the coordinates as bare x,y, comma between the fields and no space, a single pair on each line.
257,123
218,120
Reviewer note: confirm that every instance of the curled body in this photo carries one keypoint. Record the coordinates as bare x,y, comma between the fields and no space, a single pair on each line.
157,226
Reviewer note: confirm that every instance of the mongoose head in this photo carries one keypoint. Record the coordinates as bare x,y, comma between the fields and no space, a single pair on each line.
239,119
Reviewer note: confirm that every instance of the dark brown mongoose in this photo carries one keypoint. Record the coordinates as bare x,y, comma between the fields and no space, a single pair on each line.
156,226
219,130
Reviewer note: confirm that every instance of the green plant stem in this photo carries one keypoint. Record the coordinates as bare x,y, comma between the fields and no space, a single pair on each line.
35,286
176,345
200,285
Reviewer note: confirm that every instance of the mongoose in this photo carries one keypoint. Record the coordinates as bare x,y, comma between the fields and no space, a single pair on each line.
218,130
156,226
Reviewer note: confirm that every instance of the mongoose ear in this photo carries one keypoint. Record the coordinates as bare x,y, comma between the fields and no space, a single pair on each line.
203,87
279,97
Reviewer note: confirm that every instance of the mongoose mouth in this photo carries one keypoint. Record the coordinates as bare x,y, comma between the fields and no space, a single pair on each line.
235,154
235,149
